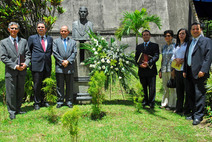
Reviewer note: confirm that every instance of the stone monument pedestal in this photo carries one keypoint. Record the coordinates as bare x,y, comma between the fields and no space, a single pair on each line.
81,78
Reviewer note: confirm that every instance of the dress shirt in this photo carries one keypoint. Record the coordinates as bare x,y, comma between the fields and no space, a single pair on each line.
179,52
12,39
191,49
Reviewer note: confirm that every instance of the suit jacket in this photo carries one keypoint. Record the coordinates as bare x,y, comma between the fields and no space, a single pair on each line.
201,57
152,50
10,57
40,60
60,54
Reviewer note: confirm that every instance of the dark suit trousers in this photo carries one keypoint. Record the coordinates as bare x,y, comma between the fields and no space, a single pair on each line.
61,80
38,78
149,82
14,92
180,89
196,88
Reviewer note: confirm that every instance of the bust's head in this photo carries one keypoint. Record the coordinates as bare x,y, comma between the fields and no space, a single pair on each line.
83,12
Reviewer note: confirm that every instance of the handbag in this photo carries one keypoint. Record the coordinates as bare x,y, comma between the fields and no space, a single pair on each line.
171,83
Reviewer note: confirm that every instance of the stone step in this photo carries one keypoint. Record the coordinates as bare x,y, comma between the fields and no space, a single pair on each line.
87,98
83,94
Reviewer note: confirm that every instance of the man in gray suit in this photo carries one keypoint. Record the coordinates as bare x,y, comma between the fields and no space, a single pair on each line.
197,63
16,57
64,51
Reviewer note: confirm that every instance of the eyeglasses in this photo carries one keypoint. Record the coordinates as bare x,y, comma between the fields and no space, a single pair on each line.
167,35
40,27
14,28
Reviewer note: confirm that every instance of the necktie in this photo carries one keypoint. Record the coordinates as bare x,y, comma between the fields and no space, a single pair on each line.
191,48
43,44
65,45
145,44
16,46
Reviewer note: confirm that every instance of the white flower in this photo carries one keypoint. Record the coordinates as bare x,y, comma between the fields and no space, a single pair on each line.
120,77
116,69
95,53
108,61
98,62
122,69
102,60
94,49
127,62
82,63
95,61
111,72
117,50
103,67
99,68
111,67
120,59
103,38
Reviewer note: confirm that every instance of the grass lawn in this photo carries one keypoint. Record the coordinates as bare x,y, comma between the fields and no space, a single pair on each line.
121,124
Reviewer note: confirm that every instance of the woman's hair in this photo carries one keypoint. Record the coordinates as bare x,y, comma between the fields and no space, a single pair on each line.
186,38
170,32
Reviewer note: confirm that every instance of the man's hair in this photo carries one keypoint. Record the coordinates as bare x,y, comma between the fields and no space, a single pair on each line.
195,23
41,22
146,31
65,26
13,23
169,31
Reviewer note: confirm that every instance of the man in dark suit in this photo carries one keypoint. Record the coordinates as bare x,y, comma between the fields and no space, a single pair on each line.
64,51
16,57
147,70
197,63
40,46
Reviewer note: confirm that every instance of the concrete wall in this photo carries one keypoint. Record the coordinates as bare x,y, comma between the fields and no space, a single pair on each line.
106,15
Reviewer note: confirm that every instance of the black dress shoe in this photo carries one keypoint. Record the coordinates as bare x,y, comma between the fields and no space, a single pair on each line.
12,116
21,112
36,107
196,121
70,105
189,118
59,106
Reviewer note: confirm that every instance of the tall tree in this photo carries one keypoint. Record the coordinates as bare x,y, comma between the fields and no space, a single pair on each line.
134,22
27,13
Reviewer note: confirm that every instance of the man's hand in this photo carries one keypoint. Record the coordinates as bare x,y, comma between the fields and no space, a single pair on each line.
144,65
65,63
160,74
201,74
184,75
22,67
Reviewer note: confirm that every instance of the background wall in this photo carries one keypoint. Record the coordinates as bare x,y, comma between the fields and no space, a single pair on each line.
106,14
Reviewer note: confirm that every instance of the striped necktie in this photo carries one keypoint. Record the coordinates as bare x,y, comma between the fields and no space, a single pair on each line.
16,46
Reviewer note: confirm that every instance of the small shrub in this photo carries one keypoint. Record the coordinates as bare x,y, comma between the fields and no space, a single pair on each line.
96,91
70,121
209,113
28,86
49,90
139,97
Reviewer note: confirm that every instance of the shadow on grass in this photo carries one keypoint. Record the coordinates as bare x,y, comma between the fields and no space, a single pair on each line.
118,102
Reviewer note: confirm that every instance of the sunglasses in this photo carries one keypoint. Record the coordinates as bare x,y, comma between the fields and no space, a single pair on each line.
167,35
14,28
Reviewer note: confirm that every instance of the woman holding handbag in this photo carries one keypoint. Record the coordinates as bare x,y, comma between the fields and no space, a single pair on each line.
169,95
178,61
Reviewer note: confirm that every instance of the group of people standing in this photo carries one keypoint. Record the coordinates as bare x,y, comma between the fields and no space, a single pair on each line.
17,53
192,59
